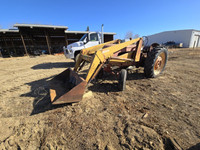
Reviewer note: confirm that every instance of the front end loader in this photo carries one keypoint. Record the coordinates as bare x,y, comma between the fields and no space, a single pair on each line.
112,57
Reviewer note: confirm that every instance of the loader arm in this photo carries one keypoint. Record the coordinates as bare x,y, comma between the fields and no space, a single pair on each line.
87,52
93,49
101,56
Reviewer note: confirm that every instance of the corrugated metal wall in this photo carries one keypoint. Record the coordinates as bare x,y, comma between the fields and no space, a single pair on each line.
179,36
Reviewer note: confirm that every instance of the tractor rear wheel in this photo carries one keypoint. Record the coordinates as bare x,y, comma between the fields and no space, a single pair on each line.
155,62
122,79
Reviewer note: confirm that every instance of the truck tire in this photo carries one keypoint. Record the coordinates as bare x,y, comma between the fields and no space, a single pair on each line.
155,62
122,80
76,56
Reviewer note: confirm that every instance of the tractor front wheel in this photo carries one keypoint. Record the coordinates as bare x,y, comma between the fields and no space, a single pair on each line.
122,79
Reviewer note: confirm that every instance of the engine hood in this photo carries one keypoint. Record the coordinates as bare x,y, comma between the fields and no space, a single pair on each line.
75,44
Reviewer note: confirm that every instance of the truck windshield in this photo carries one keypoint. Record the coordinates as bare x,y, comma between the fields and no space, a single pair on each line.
83,37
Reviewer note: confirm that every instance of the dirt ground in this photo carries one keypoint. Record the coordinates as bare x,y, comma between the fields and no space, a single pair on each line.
160,113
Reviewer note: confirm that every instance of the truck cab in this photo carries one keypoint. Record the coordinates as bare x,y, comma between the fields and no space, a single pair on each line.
88,40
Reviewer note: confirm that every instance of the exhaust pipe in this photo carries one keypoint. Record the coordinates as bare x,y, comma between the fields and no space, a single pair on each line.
102,39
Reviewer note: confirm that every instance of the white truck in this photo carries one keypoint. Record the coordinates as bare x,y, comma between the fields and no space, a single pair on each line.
88,40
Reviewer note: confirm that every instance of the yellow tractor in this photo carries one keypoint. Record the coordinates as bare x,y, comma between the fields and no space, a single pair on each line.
112,57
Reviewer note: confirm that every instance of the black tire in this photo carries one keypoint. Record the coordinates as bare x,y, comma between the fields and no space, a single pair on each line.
122,80
155,62
100,74
76,57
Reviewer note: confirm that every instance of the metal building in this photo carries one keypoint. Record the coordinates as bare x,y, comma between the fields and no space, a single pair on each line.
42,37
10,43
190,38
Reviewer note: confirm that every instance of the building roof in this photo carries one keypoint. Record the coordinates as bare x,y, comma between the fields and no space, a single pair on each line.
186,30
8,30
83,32
176,31
40,26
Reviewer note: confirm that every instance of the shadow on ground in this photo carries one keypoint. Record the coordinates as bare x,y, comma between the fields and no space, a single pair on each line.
53,65
195,147
104,87
40,92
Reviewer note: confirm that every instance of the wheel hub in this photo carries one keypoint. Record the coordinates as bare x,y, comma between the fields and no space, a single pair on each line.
159,63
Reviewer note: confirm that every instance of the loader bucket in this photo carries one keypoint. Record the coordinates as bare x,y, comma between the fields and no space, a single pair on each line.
67,87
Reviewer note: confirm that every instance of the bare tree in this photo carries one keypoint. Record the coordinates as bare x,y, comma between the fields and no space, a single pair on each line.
136,36
130,35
